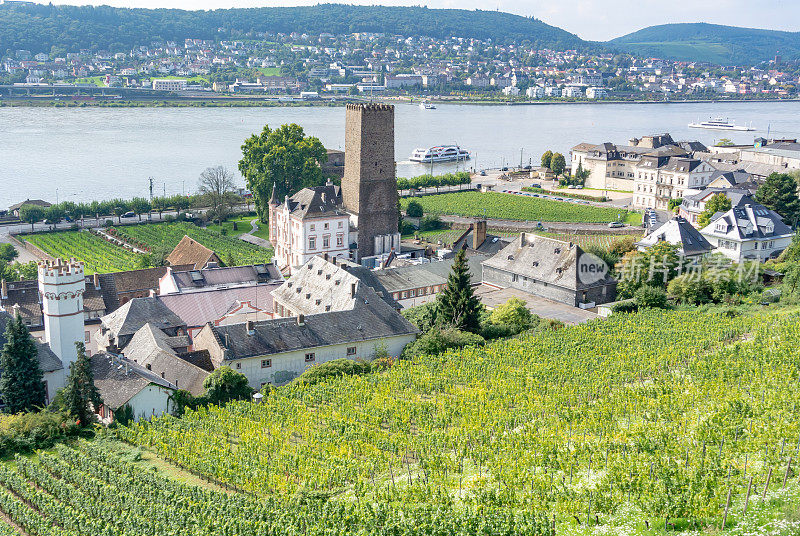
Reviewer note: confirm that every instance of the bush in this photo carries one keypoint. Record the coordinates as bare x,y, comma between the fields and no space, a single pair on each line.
30,431
407,228
333,369
414,209
437,341
627,306
650,296
430,223
513,313
497,331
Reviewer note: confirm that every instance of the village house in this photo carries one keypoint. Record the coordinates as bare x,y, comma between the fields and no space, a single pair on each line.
678,231
748,232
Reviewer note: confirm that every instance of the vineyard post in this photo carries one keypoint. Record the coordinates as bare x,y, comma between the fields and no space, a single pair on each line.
747,497
766,486
727,505
788,469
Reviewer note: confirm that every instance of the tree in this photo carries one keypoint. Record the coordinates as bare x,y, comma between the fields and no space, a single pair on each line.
8,252
414,209
21,380
673,204
779,193
581,174
140,205
656,266
80,394
217,186
558,164
512,313
224,385
650,296
119,210
54,213
284,159
31,214
546,157
717,203
724,142
457,304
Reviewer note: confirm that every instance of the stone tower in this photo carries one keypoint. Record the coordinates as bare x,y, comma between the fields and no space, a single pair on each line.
369,185
61,287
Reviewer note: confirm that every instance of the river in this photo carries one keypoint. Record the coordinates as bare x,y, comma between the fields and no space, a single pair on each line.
99,153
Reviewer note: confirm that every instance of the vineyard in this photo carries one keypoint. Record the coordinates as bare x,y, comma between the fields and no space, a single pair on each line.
645,420
511,207
98,254
231,250
87,489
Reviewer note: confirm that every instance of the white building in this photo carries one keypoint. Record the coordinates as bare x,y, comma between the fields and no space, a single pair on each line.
511,91
167,84
596,93
658,179
535,92
749,232
309,223
552,91
572,92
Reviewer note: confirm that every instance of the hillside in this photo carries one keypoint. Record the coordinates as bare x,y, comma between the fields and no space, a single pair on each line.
39,27
724,45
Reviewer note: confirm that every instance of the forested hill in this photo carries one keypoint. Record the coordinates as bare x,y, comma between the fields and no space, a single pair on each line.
713,43
39,27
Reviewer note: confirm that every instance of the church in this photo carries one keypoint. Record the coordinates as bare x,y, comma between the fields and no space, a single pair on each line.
357,220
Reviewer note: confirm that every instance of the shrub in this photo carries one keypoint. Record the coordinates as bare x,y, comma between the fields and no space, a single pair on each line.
437,341
29,431
650,296
333,369
513,313
430,223
414,209
407,228
627,306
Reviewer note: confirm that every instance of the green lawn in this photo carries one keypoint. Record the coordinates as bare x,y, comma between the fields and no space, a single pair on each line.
270,71
512,207
242,224
96,80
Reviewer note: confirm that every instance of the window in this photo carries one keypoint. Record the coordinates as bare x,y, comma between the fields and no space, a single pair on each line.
312,242
340,240
266,363
86,336
238,366
514,278
326,225
326,241
351,350
313,227
310,357
340,225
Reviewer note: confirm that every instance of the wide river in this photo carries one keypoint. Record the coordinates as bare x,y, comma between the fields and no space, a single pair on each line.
99,153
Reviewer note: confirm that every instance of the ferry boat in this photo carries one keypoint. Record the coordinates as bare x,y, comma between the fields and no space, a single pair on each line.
439,153
427,106
719,123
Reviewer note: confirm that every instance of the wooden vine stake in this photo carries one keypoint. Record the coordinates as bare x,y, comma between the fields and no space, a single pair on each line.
747,497
788,470
766,486
727,505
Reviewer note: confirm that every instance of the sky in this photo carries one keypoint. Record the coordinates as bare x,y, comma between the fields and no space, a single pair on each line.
590,19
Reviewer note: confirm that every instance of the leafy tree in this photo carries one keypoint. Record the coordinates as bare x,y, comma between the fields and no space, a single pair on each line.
558,164
656,266
717,203
414,209
457,305
546,158
779,193
581,174
673,204
284,159
54,213
119,210
139,205
514,313
80,394
224,385
791,279
31,214
216,185
725,142
650,296
8,252
21,380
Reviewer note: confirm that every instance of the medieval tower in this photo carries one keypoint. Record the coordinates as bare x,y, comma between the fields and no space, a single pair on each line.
369,185
61,287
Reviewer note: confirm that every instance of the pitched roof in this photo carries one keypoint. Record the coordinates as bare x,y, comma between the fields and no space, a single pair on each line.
190,251
678,231
229,275
319,201
136,313
544,259
119,380
369,321
48,361
37,202
201,306
747,222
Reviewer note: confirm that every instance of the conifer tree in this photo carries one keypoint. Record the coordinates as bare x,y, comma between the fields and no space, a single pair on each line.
21,381
80,390
457,303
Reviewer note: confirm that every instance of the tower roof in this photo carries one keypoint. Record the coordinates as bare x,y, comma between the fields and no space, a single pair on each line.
273,200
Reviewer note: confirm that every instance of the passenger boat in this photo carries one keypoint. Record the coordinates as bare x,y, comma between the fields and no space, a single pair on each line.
440,153
719,123
427,105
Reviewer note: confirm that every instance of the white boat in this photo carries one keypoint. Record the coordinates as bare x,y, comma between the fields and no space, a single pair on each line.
719,123
427,106
439,153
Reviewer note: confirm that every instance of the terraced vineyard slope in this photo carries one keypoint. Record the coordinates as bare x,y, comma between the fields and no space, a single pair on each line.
98,254
639,420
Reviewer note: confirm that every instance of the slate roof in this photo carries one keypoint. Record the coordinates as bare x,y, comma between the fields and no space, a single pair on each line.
316,202
190,251
729,179
489,247
201,306
748,222
155,351
48,361
119,380
369,321
231,275
37,202
116,283
543,259
678,231
26,295
426,274
129,318
737,196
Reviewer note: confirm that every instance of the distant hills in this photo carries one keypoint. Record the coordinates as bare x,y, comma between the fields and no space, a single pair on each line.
714,43
38,27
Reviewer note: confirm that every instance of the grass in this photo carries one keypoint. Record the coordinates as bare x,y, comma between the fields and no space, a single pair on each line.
270,71
242,224
512,207
96,80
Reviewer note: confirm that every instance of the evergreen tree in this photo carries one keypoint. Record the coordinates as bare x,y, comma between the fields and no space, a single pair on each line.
779,193
21,381
80,390
457,304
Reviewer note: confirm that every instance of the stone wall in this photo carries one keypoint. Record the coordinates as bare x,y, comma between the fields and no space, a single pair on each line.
369,186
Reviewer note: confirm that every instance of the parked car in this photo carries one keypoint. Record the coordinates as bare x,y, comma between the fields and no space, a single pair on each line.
129,214
482,173
535,185
616,225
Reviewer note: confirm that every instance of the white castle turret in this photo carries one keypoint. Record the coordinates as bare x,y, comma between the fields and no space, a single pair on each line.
61,287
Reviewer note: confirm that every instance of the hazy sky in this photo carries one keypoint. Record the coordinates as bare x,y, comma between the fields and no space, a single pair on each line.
590,19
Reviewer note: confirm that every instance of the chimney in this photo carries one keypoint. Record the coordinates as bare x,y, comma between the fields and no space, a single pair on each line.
301,320
479,234
522,239
96,281
4,290
325,255
352,290
250,327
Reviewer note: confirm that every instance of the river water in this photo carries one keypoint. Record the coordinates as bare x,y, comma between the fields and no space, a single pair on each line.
99,153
